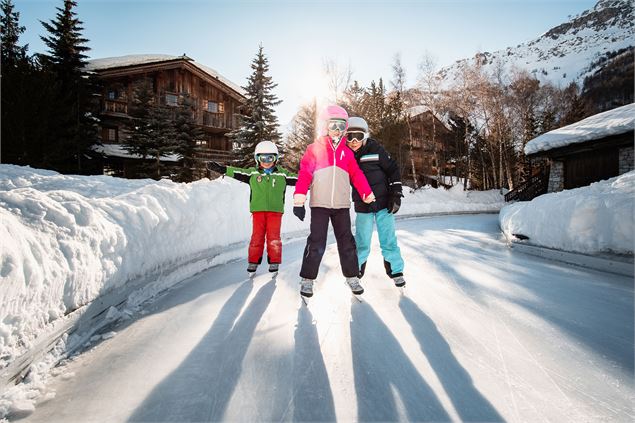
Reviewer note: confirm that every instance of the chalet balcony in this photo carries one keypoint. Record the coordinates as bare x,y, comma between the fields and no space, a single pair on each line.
207,154
115,107
214,120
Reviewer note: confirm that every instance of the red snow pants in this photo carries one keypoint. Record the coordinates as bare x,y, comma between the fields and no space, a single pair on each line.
265,225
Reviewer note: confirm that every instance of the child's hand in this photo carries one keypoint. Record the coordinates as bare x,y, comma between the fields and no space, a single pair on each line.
300,212
369,198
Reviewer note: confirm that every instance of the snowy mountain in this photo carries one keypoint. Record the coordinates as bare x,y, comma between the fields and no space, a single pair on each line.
568,52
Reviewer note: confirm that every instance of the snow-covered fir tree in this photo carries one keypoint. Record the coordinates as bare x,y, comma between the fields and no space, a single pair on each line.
258,121
152,131
75,129
187,132
10,30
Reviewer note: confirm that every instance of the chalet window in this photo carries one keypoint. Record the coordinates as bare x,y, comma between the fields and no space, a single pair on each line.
113,94
111,134
171,99
215,107
201,143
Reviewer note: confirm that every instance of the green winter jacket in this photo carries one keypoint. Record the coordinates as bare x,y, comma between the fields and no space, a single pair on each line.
267,191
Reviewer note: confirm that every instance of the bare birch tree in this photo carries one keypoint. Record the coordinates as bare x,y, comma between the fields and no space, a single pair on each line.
338,78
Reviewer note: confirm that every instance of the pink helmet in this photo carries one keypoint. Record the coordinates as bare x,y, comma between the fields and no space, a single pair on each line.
330,112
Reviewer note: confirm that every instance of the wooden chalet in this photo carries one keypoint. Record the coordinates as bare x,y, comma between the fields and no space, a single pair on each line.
216,101
593,149
423,124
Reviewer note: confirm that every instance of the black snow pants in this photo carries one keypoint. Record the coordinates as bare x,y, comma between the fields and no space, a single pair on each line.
316,242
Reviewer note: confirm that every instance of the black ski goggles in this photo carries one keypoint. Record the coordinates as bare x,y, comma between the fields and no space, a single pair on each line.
355,136
266,158
336,125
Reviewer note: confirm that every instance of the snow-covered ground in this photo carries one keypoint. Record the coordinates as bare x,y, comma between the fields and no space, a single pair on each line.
595,219
67,240
482,334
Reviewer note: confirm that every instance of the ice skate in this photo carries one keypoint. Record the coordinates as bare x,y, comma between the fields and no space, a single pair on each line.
251,269
399,281
306,288
354,285
273,268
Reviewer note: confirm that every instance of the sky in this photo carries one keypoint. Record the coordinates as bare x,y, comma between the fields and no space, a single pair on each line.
299,36
69,240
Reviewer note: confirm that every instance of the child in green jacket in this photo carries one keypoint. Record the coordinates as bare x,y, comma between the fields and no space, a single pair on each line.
268,183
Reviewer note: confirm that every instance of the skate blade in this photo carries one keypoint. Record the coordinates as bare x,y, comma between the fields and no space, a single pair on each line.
305,300
358,298
251,275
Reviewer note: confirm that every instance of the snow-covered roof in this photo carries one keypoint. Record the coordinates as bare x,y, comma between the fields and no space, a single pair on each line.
612,122
143,59
417,110
118,150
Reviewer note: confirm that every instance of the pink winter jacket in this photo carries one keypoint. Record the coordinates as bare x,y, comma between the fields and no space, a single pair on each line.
328,173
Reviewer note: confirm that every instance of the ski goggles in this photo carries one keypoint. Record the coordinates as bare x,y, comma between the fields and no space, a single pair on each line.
355,136
336,125
266,158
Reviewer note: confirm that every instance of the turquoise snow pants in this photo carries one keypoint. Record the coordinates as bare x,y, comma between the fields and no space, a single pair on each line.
364,223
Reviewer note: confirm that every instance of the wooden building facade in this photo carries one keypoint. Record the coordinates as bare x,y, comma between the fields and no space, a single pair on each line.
430,158
215,102
594,149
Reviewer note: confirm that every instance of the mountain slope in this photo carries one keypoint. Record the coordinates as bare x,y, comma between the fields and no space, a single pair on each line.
568,52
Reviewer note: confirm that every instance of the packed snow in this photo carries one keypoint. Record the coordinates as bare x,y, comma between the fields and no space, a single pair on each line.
593,219
68,240
118,150
481,333
612,122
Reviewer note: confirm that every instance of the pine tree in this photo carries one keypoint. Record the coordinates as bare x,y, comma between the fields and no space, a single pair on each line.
139,130
187,132
75,130
355,100
258,121
303,132
10,31
152,129
15,68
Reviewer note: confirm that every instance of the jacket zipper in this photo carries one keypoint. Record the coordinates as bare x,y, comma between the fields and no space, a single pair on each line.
334,168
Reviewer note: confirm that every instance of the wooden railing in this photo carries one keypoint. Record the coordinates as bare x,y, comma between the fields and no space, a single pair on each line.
113,106
530,189
207,154
214,120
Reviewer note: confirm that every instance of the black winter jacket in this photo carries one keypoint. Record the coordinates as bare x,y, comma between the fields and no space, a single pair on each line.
382,173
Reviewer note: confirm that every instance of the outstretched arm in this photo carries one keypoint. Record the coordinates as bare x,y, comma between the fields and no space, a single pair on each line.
290,177
238,173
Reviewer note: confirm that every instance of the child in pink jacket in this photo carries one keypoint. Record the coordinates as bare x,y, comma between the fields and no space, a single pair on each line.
327,169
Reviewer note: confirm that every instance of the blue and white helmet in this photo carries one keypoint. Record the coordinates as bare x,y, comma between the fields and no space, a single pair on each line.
265,147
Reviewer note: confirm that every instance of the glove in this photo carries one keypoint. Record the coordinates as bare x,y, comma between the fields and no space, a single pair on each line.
373,207
394,202
300,212
216,167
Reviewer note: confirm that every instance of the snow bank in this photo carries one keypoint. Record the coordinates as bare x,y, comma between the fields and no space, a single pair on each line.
68,239
590,220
